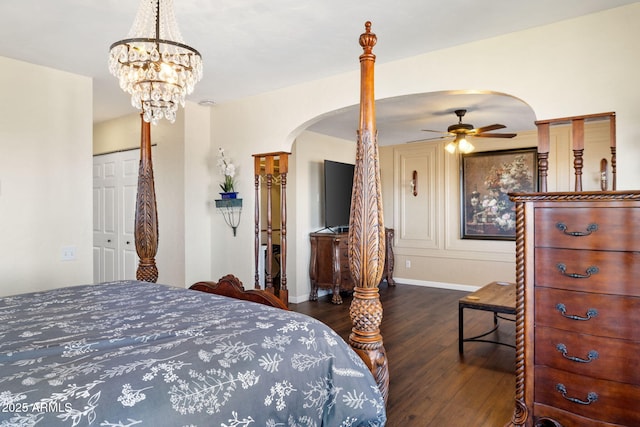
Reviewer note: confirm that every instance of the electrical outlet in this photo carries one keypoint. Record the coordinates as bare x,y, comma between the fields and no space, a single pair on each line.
68,253
407,263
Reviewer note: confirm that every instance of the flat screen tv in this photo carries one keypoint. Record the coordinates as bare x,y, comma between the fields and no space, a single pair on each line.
338,181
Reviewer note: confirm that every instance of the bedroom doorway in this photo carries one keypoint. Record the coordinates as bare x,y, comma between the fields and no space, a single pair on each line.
115,180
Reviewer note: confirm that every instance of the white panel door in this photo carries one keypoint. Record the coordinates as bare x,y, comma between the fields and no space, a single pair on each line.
128,256
114,193
105,237
97,224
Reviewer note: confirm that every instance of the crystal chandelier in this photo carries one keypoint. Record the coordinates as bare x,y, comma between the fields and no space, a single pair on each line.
153,64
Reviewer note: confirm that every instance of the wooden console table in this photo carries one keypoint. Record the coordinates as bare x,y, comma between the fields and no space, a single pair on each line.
329,265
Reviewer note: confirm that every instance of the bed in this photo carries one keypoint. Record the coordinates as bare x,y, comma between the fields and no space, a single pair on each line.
139,353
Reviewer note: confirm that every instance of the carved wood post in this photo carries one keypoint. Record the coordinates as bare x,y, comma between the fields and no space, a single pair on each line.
283,167
521,412
256,242
146,221
269,171
577,129
544,143
366,229
577,146
612,143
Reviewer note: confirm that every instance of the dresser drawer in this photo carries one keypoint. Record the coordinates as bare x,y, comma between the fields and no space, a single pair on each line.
610,228
593,271
598,357
344,254
604,315
564,418
598,399
346,281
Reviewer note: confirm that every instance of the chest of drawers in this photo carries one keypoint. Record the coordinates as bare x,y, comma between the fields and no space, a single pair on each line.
578,309
329,264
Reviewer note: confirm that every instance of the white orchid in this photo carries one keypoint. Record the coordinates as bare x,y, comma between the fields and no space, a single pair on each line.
227,170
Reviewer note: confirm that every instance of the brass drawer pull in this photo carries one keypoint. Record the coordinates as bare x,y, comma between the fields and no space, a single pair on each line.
589,271
591,397
546,422
592,312
591,355
591,228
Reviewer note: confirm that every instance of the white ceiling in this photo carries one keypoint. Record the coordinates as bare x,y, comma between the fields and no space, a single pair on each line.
253,46
404,118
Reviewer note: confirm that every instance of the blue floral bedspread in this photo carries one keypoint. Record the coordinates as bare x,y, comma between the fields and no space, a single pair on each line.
139,354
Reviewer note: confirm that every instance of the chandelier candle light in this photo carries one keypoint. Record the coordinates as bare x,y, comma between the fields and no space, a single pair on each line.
153,64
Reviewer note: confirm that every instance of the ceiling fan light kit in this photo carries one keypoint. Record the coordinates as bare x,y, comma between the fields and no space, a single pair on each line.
461,144
451,147
465,146
463,130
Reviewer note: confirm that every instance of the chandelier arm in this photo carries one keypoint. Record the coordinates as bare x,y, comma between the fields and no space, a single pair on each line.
154,40
159,81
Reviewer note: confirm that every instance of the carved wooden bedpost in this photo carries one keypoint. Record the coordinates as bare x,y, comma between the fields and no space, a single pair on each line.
366,229
146,222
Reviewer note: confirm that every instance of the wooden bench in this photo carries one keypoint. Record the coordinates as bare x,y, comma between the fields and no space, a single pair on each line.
496,297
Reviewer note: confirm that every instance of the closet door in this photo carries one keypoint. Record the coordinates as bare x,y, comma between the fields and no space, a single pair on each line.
128,258
105,219
114,193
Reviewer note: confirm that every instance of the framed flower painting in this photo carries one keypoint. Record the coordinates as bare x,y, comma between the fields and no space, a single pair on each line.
486,179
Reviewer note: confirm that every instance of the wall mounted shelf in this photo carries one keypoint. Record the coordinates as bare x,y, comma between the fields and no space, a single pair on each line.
231,210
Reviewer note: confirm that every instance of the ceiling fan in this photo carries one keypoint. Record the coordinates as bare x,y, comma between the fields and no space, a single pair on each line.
461,130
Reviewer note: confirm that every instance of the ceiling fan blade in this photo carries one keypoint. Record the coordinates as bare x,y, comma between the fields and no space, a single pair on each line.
429,130
437,137
495,135
490,128
428,139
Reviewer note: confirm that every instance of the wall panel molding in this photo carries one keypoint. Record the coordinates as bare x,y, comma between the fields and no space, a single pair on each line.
416,216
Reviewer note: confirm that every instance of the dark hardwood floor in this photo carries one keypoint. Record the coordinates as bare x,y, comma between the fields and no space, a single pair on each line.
430,383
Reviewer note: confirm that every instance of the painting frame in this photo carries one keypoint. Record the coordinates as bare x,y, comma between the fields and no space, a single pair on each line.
486,179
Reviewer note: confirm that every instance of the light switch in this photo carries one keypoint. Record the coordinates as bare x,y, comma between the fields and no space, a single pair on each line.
68,253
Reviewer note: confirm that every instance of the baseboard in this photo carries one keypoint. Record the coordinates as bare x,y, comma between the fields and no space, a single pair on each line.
305,297
442,285
401,281
298,300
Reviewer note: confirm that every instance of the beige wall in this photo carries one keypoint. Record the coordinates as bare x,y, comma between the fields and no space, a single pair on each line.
199,165
180,156
428,246
305,196
552,68
45,177
427,227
